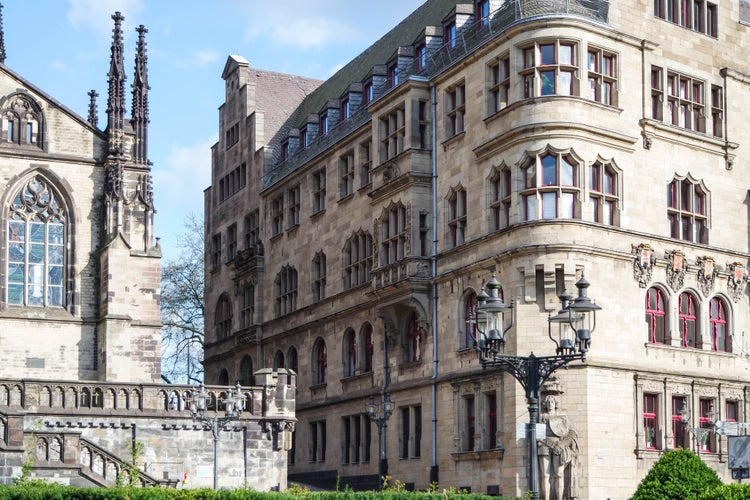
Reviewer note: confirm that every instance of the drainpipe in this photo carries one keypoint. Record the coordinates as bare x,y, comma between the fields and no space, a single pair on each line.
434,469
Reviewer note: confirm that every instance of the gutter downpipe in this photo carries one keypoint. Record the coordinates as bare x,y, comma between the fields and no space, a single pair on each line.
434,469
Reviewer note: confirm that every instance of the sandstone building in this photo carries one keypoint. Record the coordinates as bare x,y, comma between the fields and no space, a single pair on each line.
351,223
80,329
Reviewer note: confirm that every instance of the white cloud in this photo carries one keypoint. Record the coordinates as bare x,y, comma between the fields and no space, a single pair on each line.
206,57
96,15
318,32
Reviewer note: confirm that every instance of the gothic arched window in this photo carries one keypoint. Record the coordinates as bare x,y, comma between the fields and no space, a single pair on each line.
223,318
36,246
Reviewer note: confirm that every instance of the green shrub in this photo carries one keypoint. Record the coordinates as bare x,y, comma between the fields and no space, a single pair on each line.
727,492
678,475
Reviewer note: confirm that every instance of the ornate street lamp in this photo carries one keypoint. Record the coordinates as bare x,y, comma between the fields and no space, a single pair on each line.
380,415
699,433
574,324
234,403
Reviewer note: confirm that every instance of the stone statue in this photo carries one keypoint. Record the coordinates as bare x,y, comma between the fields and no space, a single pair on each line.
558,455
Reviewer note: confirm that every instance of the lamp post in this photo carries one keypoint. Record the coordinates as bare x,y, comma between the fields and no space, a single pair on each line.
699,433
573,326
380,415
234,403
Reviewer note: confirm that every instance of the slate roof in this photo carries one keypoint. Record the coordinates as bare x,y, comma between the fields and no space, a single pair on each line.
430,13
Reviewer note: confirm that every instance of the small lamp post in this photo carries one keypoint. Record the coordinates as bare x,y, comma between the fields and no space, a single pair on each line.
379,414
234,403
572,325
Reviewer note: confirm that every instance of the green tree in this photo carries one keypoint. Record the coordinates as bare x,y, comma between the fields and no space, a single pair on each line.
182,307
678,475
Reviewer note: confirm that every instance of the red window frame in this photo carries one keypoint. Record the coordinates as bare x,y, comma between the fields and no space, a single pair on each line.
655,316
679,429
688,325
718,324
705,421
650,420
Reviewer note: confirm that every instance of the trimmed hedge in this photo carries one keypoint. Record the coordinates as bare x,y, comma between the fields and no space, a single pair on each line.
59,492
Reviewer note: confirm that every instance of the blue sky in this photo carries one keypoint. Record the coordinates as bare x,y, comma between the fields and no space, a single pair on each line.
63,47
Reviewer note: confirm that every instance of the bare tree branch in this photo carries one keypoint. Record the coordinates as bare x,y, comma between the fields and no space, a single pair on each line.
182,307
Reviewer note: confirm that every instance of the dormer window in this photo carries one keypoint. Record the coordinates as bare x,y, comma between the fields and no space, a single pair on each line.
345,109
483,13
285,150
369,93
304,138
323,124
420,58
393,74
449,35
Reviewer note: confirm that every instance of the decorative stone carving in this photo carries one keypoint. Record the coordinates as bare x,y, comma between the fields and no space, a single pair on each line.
737,283
707,273
676,268
559,467
643,263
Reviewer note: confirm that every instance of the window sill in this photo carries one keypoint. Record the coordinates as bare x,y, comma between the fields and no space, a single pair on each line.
454,138
345,198
668,347
476,455
318,213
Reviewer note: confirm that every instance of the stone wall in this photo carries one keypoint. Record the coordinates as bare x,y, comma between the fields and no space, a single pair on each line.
82,433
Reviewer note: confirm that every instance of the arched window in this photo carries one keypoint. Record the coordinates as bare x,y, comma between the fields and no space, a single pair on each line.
22,121
278,360
413,339
688,326
470,326
655,315
224,377
246,371
320,362
350,353
37,239
368,348
291,360
718,323
223,318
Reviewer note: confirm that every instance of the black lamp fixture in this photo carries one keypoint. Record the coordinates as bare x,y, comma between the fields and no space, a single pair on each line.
570,330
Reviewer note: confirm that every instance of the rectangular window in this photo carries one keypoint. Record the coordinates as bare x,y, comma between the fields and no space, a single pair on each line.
365,161
420,58
650,421
499,84
392,133
231,242
319,191
717,111
500,185
549,68
346,173
491,420
319,277
252,230
731,411
706,423
423,234
216,251
394,228
457,218
469,423
696,15
293,197
455,108
602,77
323,124
355,441
317,441
248,306
685,102
657,93
393,74
277,215
424,125
411,432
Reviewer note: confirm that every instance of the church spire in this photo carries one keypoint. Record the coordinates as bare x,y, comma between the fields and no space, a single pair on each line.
2,36
139,114
116,100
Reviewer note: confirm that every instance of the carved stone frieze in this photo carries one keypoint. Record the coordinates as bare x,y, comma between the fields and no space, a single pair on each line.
643,263
707,273
676,269
737,283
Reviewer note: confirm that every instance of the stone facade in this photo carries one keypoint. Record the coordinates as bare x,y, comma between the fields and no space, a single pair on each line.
80,327
537,141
